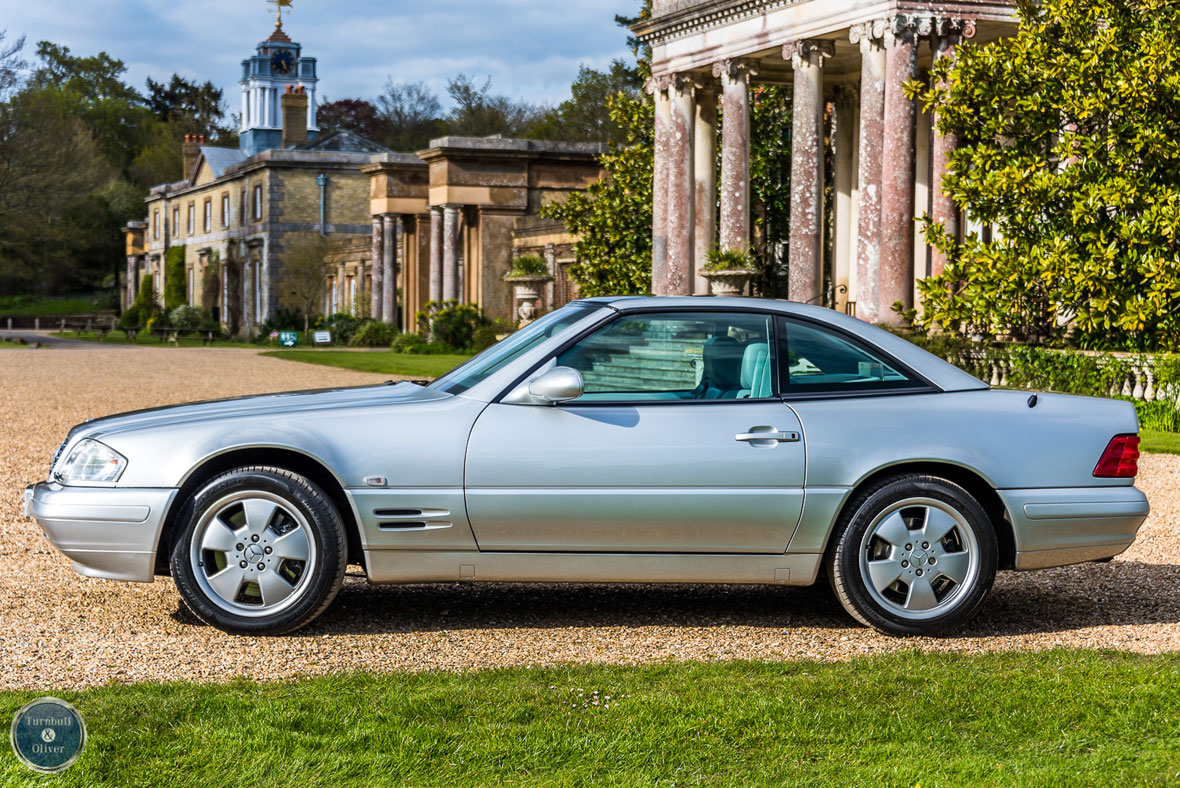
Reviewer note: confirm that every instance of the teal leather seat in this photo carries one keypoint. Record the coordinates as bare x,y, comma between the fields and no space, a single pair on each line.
755,371
722,361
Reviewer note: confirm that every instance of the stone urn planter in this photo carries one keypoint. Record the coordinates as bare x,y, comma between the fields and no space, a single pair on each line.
526,293
731,282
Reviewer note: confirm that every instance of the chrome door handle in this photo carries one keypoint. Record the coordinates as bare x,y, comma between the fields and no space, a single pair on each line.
781,437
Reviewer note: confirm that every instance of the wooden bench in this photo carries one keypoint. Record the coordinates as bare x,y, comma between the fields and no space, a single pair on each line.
172,335
79,328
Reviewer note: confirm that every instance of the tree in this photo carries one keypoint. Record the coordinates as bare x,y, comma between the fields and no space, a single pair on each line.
480,113
412,115
355,115
1068,150
92,89
612,218
305,269
585,117
189,108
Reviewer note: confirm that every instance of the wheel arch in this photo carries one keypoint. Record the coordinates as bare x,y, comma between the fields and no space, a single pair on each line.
289,459
967,478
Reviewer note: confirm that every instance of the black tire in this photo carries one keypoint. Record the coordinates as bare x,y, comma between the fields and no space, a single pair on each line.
858,562
300,506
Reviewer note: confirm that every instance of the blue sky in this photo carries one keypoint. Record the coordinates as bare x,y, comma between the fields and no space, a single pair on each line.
530,48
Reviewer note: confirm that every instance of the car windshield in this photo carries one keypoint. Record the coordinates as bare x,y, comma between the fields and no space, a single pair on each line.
503,353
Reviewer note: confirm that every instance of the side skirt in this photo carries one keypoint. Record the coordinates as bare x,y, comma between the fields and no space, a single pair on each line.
435,566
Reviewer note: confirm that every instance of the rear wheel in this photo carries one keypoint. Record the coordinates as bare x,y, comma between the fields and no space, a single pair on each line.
262,551
914,555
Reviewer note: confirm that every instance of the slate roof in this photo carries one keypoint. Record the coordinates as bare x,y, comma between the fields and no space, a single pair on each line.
221,159
343,141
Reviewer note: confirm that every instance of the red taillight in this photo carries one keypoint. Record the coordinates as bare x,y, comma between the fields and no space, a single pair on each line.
1121,457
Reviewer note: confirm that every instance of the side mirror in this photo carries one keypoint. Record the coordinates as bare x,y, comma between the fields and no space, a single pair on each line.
559,384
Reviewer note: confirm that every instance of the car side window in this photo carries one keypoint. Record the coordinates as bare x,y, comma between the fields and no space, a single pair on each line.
671,356
819,360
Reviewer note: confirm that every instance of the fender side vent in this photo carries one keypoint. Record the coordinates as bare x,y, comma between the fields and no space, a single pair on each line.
398,512
400,525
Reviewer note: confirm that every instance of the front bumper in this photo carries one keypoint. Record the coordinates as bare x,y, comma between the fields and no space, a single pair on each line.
107,532
1055,527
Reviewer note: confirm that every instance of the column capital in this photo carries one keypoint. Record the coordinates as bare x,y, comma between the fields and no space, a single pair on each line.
953,27
868,33
803,50
735,68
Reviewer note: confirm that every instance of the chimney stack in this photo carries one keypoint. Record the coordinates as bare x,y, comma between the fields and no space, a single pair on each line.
294,103
191,151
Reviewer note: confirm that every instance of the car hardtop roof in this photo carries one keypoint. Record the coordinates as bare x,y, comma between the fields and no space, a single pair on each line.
943,374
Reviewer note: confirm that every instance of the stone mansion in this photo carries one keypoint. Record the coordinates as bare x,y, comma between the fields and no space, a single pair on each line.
405,228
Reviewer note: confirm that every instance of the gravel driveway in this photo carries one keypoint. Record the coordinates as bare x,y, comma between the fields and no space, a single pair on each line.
60,630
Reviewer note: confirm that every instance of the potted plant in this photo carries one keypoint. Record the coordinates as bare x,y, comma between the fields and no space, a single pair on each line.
528,274
729,271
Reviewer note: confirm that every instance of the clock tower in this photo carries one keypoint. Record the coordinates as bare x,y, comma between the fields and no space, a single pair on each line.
277,64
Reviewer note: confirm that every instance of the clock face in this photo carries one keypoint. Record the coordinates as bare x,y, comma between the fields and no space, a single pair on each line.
282,61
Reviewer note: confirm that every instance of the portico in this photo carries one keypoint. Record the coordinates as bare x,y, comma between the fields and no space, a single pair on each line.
846,62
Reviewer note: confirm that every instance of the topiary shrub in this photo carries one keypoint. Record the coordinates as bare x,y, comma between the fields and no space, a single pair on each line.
186,317
374,333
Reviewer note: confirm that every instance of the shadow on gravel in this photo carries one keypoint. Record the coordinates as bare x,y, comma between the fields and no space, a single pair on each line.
1022,603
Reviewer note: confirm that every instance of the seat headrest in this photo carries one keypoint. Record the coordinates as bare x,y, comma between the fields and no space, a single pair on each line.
756,370
722,361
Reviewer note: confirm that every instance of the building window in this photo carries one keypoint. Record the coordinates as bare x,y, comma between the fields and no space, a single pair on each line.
258,292
225,209
352,295
192,217
208,214
257,201
191,289
156,224
242,209
176,220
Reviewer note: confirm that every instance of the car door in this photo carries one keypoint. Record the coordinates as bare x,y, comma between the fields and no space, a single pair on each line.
679,444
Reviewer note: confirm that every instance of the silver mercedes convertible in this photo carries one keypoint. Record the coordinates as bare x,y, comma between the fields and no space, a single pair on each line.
614,440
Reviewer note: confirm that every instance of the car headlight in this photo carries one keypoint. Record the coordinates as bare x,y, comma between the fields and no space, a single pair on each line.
90,461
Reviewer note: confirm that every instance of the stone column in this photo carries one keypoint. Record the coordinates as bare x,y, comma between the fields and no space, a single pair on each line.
844,233
132,266
658,87
735,151
949,34
436,253
450,247
872,127
897,168
377,254
681,199
342,302
704,173
804,278
388,265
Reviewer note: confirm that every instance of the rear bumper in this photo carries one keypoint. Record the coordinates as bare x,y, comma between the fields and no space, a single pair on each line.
1055,527
107,532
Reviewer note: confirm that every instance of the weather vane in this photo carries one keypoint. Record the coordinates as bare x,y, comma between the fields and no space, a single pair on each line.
280,5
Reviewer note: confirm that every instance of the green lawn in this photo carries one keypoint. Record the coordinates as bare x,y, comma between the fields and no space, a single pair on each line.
1159,442
384,362
1061,718
12,306
118,337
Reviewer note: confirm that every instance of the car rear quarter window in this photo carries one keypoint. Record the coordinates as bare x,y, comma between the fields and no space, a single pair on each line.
820,360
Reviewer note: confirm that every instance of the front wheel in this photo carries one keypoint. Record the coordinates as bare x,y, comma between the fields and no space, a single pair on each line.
914,555
261,551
